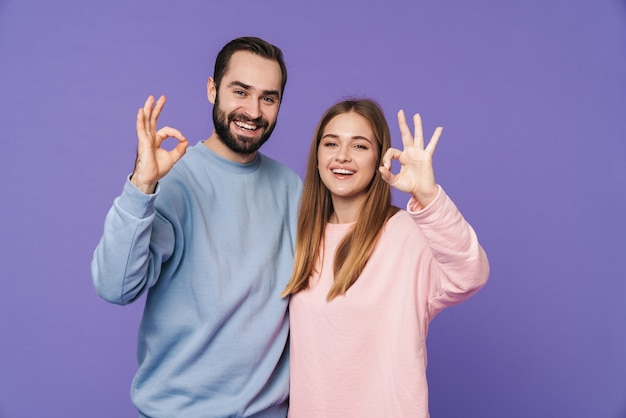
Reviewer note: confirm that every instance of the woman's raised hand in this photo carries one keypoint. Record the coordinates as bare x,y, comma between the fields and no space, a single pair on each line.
416,174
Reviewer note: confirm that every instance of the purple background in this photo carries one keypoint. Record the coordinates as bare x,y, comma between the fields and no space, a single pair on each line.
532,96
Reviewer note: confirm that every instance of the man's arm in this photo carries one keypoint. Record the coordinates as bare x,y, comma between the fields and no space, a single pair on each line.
135,242
134,245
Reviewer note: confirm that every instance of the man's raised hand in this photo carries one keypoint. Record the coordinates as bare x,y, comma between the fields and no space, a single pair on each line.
154,162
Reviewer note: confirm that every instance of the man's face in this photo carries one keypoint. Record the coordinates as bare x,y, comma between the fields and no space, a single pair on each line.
245,107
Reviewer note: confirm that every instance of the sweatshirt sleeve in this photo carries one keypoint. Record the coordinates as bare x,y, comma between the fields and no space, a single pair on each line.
135,243
460,265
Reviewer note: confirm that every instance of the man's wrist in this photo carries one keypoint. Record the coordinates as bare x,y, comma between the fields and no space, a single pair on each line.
147,188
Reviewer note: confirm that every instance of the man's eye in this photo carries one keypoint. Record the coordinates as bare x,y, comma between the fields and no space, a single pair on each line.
268,100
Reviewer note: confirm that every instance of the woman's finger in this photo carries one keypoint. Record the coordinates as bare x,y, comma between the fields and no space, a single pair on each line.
387,175
434,140
419,133
390,154
405,132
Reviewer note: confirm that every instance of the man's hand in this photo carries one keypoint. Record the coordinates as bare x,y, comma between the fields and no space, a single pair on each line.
154,162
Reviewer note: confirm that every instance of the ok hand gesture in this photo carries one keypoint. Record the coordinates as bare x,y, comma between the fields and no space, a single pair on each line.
416,174
154,162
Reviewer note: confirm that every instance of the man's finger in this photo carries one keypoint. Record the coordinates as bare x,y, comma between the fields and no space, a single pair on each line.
157,111
142,134
178,152
147,111
167,132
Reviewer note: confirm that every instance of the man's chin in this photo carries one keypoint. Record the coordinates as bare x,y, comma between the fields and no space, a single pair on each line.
246,140
247,148
246,145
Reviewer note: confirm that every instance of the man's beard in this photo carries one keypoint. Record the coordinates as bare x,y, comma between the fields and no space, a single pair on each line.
238,143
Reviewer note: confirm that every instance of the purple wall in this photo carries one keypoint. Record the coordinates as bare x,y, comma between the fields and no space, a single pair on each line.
532,96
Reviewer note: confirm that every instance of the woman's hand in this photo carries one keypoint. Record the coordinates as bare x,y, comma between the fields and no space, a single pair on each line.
416,174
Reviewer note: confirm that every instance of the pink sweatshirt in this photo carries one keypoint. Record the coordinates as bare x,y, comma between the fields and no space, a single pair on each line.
363,354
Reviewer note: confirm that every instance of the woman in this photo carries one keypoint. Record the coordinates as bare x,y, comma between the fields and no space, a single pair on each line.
368,277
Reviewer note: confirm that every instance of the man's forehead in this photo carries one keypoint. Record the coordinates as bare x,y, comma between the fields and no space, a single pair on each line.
253,70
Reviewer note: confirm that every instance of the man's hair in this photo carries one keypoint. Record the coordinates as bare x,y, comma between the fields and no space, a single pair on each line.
316,207
255,45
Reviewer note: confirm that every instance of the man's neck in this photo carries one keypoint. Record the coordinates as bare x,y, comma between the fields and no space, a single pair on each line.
215,144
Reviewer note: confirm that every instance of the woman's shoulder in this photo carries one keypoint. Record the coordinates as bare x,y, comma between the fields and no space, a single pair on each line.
401,230
401,220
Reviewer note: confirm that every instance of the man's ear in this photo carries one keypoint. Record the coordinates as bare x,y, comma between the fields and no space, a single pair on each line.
211,90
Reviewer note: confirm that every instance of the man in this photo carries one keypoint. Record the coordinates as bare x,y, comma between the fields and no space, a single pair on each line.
209,233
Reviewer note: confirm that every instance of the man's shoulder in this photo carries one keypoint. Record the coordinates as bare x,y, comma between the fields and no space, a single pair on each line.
274,164
277,168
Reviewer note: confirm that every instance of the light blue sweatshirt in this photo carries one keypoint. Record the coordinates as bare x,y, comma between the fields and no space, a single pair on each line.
213,247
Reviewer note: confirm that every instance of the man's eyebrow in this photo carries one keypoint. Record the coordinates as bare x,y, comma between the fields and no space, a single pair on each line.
248,87
274,93
240,84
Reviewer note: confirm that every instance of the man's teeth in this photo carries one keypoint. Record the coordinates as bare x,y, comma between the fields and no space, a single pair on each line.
245,126
342,171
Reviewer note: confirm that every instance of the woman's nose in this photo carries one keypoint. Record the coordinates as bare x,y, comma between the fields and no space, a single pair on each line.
343,154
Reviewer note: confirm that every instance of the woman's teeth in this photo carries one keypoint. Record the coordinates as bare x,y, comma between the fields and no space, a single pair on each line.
342,171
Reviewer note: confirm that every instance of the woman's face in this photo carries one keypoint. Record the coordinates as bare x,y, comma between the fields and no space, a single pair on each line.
347,157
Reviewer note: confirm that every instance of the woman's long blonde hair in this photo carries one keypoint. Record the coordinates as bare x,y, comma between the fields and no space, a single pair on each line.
316,208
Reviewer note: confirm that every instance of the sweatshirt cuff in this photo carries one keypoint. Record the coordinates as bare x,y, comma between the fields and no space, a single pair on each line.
135,202
415,209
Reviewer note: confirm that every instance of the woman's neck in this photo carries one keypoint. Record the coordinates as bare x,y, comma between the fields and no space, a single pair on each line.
345,211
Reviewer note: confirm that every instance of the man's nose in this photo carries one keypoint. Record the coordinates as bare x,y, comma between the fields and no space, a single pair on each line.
252,109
